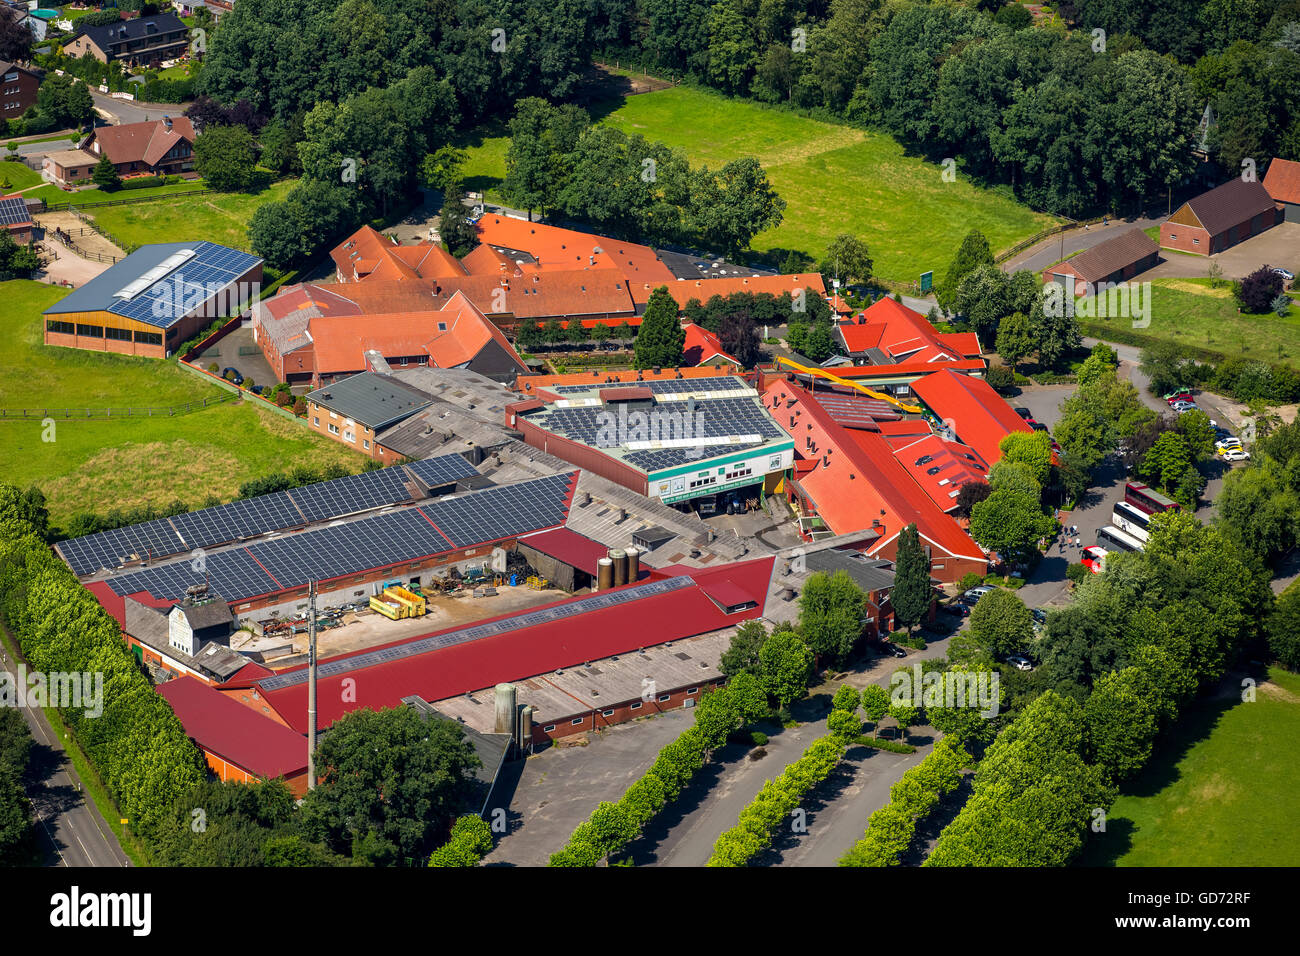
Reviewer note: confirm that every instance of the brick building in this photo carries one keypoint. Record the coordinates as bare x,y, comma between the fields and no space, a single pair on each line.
1115,260
1221,218
18,86
141,41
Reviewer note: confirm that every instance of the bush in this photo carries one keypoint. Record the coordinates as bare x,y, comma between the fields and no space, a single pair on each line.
969,581
143,182
1077,573
758,738
471,840
893,746
300,406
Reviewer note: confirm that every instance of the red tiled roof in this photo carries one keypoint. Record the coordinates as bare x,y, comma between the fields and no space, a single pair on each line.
532,383
366,255
235,733
1283,180
683,290
857,476
976,413
529,651
956,464
702,346
903,334
145,142
566,249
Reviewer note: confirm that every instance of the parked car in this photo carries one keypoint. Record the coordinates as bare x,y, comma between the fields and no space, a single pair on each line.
1176,394
232,375
1056,446
1020,662
1224,444
1222,433
1038,614
1235,454
1025,413
1181,407
957,608
1286,274
1038,426
894,650
977,592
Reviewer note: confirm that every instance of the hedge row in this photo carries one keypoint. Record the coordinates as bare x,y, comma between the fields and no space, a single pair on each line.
772,807
470,841
891,828
136,743
612,826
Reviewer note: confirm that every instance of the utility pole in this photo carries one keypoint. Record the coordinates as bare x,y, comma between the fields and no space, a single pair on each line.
311,685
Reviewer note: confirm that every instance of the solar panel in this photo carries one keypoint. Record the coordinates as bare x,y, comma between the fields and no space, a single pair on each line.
442,469
362,545
385,655
189,287
246,518
13,211
106,550
345,496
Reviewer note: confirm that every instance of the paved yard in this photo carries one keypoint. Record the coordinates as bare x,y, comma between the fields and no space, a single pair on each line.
1279,246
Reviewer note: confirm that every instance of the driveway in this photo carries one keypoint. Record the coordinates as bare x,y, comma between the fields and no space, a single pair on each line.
1057,247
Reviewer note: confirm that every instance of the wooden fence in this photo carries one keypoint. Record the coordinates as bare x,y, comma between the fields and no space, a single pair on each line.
103,414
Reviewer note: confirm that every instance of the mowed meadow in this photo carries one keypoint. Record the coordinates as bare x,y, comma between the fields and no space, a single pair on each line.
833,178
100,464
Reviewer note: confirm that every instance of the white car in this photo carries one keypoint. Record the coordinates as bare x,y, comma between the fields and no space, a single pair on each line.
1235,454
1228,444
1181,407
1020,662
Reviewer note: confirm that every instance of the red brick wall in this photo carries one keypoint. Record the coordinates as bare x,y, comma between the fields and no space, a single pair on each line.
565,726
105,345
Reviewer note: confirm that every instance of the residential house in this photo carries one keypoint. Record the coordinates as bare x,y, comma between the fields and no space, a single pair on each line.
141,41
18,86
157,147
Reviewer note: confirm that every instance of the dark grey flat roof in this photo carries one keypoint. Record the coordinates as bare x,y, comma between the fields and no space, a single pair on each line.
369,398
871,574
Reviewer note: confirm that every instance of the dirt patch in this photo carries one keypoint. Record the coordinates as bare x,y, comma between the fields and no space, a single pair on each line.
1222,292
86,241
1277,692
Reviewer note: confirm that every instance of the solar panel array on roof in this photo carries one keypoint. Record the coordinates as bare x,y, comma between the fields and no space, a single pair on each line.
189,287
667,386
251,517
333,552
559,612
442,470
348,495
109,549
13,210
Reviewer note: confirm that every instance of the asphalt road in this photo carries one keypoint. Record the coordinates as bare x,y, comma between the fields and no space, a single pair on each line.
1067,243
70,829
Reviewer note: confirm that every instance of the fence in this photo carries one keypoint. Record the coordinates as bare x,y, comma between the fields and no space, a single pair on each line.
65,236
165,411
72,207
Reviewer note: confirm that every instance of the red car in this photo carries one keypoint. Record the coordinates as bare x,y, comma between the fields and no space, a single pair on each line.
1181,397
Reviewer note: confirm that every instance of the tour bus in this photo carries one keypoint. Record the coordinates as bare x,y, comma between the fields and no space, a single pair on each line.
1148,499
1131,520
1112,539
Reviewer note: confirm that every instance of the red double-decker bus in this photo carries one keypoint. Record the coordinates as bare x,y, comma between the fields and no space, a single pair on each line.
1148,499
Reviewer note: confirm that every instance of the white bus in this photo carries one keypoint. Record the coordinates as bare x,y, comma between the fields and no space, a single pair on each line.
1112,539
1131,520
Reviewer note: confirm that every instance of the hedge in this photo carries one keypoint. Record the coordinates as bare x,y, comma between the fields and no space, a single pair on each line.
891,828
136,744
771,809
470,841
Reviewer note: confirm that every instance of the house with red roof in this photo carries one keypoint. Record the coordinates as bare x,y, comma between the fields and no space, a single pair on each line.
969,407
850,480
367,254
704,348
888,332
238,743
157,147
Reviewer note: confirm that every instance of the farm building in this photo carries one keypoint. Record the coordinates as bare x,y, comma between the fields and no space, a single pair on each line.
968,407
1114,260
1221,218
16,219
1283,184
701,443
888,332
156,298
702,347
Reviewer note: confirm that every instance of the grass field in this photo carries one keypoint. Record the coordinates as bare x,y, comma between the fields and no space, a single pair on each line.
219,217
18,176
94,465
833,178
1223,793
1190,312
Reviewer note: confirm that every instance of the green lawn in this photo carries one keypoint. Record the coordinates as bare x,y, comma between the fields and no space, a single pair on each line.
92,465
17,176
219,217
833,178
1190,312
1222,793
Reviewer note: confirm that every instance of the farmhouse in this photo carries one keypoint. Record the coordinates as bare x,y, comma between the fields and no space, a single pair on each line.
1221,218
16,219
1283,184
156,298
157,147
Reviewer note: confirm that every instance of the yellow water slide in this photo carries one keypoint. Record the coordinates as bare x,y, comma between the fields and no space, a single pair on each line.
849,383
